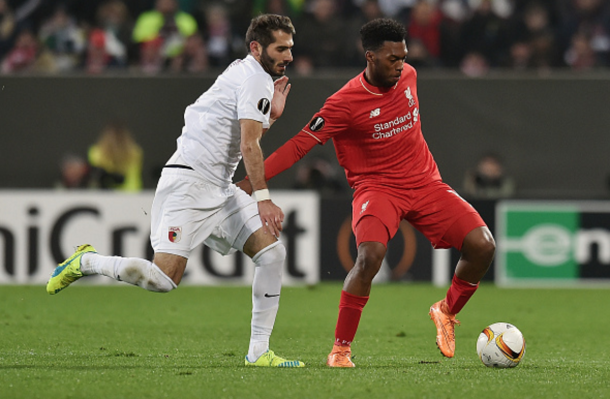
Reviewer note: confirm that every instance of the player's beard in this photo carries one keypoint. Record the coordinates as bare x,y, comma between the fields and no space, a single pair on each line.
270,64
380,76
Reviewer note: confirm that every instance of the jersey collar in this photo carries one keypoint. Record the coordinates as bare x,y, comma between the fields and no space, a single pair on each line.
250,58
377,91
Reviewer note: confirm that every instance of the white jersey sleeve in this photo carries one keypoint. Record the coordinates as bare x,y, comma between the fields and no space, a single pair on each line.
254,99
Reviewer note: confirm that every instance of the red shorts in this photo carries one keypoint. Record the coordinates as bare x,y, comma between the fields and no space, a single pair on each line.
436,210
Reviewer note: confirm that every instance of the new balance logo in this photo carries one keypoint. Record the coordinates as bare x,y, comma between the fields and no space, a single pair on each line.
375,113
271,295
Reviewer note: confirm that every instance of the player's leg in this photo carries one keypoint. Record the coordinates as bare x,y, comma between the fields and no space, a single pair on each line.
241,229
268,256
447,221
161,275
141,272
372,236
171,244
477,253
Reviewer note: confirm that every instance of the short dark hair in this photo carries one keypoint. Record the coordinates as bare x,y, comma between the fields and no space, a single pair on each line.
379,30
262,27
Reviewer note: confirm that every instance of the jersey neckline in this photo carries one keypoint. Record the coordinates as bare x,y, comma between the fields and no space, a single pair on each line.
377,91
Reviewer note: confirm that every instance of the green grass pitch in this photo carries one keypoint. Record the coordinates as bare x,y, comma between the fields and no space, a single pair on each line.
124,342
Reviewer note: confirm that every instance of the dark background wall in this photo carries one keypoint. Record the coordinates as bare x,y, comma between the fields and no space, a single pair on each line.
552,132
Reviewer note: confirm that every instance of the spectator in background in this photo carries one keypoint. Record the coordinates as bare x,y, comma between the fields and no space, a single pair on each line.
419,57
585,20
520,56
424,30
28,55
98,58
108,41
397,9
152,60
483,33
75,173
165,25
455,13
64,38
8,28
488,180
580,56
117,159
369,10
322,38
501,8
532,40
291,8
474,65
218,35
194,57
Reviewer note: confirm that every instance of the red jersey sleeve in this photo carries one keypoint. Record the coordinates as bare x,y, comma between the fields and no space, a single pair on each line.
332,119
288,154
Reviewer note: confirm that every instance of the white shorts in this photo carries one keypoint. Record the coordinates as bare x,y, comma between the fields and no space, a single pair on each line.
188,211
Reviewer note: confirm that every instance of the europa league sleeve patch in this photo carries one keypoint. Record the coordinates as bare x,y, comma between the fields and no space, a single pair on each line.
316,124
264,105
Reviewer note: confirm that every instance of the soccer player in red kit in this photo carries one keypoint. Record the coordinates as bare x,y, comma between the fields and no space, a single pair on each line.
375,124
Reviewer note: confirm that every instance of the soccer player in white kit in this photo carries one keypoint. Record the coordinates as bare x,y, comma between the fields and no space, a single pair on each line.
196,201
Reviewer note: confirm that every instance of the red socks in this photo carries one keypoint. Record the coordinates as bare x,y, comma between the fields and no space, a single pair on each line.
350,310
459,293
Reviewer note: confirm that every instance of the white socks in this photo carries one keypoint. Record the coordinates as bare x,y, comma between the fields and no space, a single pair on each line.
135,271
266,288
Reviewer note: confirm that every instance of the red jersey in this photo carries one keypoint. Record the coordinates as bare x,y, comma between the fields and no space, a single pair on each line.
376,132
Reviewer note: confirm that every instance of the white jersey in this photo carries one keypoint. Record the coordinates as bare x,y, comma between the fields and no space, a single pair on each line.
211,136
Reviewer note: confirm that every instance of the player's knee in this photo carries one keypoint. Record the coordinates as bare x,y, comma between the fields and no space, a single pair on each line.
159,281
480,245
366,268
273,253
370,257
486,247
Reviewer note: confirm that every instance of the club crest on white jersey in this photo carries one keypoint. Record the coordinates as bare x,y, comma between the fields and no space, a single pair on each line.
174,234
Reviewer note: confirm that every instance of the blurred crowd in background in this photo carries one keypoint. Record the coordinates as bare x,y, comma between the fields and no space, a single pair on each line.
197,36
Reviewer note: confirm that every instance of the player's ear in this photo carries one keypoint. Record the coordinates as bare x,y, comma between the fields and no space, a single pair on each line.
370,56
255,48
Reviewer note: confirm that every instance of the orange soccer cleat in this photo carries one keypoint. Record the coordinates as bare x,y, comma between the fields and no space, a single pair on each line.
445,327
340,356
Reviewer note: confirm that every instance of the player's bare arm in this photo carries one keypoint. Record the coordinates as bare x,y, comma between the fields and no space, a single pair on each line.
271,215
284,157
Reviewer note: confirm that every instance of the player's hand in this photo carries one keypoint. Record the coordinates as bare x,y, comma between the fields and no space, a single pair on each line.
272,217
281,88
245,185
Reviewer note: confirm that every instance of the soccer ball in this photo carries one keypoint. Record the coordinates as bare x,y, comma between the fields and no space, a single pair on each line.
501,345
